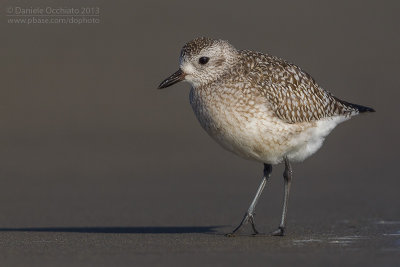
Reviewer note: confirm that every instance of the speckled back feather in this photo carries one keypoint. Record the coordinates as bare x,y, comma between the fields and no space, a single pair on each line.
293,94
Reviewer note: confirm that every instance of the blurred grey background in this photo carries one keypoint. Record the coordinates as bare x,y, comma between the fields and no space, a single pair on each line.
87,140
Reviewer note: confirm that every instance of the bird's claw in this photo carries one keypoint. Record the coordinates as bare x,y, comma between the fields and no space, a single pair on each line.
279,232
248,217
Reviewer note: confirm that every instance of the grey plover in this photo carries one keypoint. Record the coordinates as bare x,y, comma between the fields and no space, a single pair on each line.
259,107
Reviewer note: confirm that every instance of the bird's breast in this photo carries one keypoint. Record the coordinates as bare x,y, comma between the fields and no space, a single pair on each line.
220,112
240,123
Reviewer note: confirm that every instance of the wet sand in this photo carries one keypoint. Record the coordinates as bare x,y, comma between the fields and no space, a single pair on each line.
111,210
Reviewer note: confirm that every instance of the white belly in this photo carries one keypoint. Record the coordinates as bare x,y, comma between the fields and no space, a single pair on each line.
257,134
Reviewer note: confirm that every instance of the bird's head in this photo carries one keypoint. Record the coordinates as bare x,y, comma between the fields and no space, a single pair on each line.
202,60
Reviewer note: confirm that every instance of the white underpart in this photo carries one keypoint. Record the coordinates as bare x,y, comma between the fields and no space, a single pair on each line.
256,133
311,139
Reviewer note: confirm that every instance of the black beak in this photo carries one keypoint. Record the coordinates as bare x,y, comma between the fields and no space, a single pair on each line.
173,79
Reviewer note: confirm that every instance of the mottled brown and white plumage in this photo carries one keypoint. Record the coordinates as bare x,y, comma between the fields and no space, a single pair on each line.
259,106
256,105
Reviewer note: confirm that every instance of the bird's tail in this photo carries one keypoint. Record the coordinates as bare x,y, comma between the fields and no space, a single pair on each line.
357,108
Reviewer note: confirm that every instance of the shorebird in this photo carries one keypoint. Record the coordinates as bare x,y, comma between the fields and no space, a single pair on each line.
259,107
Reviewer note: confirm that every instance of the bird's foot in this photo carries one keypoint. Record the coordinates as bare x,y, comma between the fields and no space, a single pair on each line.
279,232
248,217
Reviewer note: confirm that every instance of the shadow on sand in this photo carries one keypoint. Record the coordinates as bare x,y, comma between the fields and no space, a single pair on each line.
120,230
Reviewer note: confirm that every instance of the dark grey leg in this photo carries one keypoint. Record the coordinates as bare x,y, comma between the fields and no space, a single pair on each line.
249,216
287,175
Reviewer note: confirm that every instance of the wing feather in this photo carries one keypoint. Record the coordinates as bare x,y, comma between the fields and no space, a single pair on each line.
293,94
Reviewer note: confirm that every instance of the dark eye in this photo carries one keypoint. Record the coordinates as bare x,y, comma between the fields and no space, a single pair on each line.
203,60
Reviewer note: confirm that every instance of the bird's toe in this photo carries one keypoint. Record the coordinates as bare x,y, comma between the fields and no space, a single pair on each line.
279,232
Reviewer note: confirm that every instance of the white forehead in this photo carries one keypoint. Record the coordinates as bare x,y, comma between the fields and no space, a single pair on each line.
187,67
